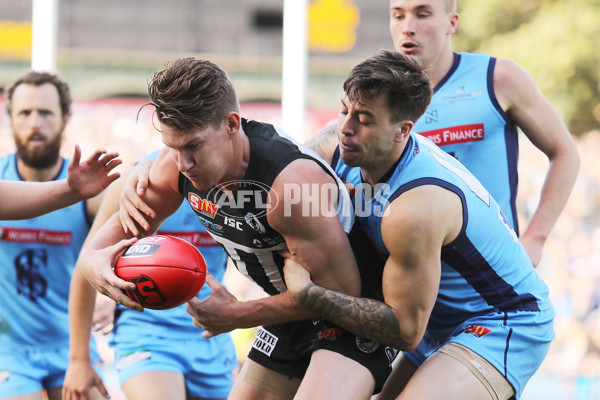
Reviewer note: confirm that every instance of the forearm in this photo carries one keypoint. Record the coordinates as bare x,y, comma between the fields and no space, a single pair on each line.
556,190
23,200
82,298
271,310
364,317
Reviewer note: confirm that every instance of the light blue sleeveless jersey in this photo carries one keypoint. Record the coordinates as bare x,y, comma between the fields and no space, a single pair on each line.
176,321
37,257
466,120
486,269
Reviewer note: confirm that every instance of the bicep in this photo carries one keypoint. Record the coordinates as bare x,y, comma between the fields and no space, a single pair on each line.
414,262
414,239
311,228
324,249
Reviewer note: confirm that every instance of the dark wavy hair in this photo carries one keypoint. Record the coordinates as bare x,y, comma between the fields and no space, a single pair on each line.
401,79
38,79
190,93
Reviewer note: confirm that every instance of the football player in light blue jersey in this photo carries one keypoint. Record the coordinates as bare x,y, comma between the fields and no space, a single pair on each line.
160,354
478,104
39,254
475,326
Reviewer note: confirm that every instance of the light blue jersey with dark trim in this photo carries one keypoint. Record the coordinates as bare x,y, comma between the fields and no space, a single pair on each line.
465,119
485,269
37,257
176,321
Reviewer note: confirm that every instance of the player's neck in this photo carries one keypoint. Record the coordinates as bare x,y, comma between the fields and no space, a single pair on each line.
33,174
439,67
242,155
374,172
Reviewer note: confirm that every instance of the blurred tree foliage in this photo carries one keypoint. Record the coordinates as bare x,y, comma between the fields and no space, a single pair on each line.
556,41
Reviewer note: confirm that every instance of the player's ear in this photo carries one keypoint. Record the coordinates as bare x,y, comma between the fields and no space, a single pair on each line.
453,25
233,122
66,119
403,130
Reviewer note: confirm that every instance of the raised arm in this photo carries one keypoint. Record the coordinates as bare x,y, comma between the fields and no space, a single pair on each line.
415,240
529,109
23,200
96,258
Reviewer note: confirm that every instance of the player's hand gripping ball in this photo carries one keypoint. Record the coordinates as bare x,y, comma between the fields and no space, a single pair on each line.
167,271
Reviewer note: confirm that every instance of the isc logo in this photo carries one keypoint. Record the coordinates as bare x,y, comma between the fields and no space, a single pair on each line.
141,249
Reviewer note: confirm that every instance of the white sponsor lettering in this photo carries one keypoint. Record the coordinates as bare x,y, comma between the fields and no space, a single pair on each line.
462,136
265,342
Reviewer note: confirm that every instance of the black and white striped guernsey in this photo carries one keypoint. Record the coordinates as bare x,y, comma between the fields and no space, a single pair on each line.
238,221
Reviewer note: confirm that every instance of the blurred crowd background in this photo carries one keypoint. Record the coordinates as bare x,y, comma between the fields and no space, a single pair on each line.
108,55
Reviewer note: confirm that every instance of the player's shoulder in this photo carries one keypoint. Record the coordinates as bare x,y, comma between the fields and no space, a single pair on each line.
508,71
512,83
304,171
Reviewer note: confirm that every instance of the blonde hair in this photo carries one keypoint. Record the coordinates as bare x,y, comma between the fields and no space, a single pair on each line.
449,6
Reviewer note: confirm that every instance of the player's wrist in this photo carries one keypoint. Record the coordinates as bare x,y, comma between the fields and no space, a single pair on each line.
80,358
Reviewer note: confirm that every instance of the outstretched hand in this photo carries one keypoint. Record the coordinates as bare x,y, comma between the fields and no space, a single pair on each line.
132,208
216,313
88,178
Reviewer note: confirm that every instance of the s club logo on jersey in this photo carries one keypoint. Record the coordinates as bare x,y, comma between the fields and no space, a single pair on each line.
31,277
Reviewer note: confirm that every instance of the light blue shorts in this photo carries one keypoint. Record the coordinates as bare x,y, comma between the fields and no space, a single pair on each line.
515,343
207,365
29,371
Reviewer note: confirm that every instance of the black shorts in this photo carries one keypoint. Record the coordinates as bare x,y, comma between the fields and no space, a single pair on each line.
286,348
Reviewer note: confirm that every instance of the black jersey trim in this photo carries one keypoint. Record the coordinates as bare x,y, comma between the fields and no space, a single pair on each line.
453,68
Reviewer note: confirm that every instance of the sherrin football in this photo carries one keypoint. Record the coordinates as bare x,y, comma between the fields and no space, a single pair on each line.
167,271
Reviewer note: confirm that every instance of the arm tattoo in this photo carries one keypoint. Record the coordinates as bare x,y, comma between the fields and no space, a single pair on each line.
364,317
324,136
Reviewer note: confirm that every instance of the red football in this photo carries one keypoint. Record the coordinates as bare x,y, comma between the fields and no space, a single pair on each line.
167,271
